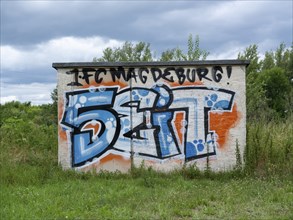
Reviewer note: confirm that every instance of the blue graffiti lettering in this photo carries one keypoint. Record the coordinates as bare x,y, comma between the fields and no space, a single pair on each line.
104,118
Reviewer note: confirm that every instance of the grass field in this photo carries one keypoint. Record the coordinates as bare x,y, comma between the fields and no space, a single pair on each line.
150,196
33,186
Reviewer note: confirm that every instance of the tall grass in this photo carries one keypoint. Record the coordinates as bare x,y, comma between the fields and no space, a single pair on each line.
29,151
269,147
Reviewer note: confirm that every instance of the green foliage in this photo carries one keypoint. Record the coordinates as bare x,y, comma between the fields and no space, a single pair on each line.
277,88
53,108
269,83
44,114
251,54
54,95
268,62
282,58
28,137
128,52
141,51
174,54
256,100
194,52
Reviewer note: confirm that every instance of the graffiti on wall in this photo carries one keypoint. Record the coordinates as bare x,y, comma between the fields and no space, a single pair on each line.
144,74
159,122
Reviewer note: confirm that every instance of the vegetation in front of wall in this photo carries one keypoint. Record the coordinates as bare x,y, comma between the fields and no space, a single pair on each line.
29,147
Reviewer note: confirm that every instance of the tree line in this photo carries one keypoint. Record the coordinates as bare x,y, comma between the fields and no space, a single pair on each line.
269,79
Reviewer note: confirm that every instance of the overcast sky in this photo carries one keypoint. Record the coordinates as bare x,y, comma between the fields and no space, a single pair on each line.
34,34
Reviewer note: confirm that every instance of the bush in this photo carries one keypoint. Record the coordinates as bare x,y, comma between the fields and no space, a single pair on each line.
277,89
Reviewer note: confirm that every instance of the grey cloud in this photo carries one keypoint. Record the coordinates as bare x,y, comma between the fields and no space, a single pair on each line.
41,75
22,25
244,22
164,24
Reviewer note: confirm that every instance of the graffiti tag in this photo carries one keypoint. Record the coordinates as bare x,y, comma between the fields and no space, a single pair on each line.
161,122
143,74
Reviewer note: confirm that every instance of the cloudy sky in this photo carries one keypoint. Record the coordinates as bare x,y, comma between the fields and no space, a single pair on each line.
34,34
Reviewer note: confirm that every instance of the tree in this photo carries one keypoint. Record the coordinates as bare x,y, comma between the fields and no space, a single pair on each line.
269,87
251,53
256,100
175,54
54,95
268,82
282,58
54,106
277,89
141,52
128,52
269,61
194,52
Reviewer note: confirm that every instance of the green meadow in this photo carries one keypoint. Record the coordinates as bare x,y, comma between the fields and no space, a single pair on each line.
33,186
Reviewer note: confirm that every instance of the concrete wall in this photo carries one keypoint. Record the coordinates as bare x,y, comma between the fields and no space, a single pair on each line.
162,114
